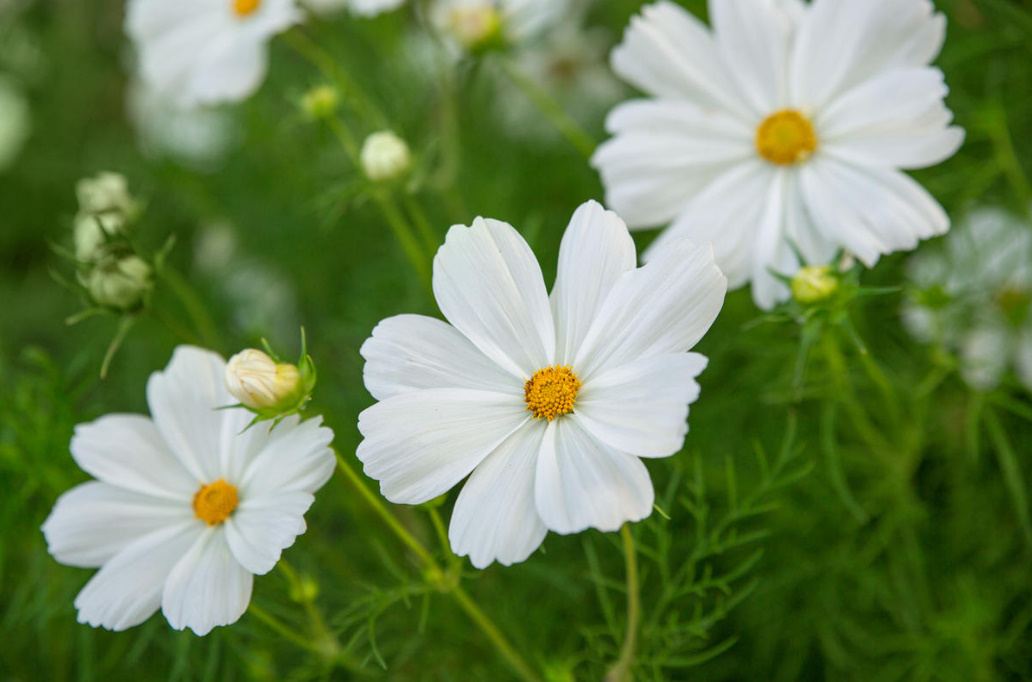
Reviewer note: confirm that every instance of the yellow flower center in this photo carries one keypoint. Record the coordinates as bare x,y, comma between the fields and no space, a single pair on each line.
785,137
552,391
214,502
245,7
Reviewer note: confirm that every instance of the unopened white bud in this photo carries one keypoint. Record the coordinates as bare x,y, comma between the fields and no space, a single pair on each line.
92,232
385,156
260,383
104,193
474,25
120,283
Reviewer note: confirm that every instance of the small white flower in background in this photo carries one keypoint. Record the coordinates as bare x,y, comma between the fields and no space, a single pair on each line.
385,156
546,403
187,506
475,25
197,138
975,297
122,284
105,192
15,122
202,52
782,129
364,8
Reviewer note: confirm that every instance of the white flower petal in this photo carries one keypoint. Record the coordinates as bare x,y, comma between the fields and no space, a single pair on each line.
259,530
127,590
869,211
184,401
663,153
233,71
582,483
725,214
595,252
752,37
495,518
413,352
207,587
488,284
126,450
94,521
419,445
841,43
664,307
296,457
771,251
642,407
667,52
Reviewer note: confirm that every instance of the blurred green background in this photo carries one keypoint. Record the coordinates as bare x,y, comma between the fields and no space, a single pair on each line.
911,563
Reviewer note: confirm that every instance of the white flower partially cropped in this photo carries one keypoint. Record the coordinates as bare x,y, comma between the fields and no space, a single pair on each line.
547,403
187,506
201,52
976,297
781,130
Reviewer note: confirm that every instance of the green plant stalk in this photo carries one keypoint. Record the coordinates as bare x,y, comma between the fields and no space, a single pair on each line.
180,287
551,110
430,240
621,670
282,629
328,646
464,601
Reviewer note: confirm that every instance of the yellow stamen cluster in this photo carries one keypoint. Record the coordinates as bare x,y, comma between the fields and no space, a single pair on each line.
551,392
242,8
786,137
214,502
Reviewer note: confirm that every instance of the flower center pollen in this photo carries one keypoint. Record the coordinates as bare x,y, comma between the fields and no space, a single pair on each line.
242,8
785,137
214,502
551,392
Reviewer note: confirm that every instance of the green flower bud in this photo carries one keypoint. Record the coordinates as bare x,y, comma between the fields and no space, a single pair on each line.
321,101
120,283
814,283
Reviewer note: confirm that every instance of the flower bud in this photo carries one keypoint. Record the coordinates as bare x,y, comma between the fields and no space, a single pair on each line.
385,156
120,283
105,193
261,384
475,26
321,101
814,283
92,232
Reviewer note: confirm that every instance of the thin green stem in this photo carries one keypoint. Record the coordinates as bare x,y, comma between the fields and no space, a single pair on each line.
282,629
836,363
1007,158
124,326
433,569
381,510
522,670
192,303
551,110
442,534
621,670
409,243
426,231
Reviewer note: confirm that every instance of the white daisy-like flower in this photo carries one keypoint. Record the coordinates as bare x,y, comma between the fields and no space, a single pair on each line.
472,24
781,131
198,138
364,8
187,506
976,297
198,52
547,403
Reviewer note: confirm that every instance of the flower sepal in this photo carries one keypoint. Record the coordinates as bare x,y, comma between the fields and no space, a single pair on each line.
268,386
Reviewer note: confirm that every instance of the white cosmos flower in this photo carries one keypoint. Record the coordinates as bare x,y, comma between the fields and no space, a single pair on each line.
781,129
471,24
976,296
545,402
187,505
198,52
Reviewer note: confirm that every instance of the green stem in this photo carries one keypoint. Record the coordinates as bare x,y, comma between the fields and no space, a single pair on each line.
282,629
494,634
409,244
442,534
879,445
551,110
1006,158
465,602
621,670
192,303
426,231
124,326
382,511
